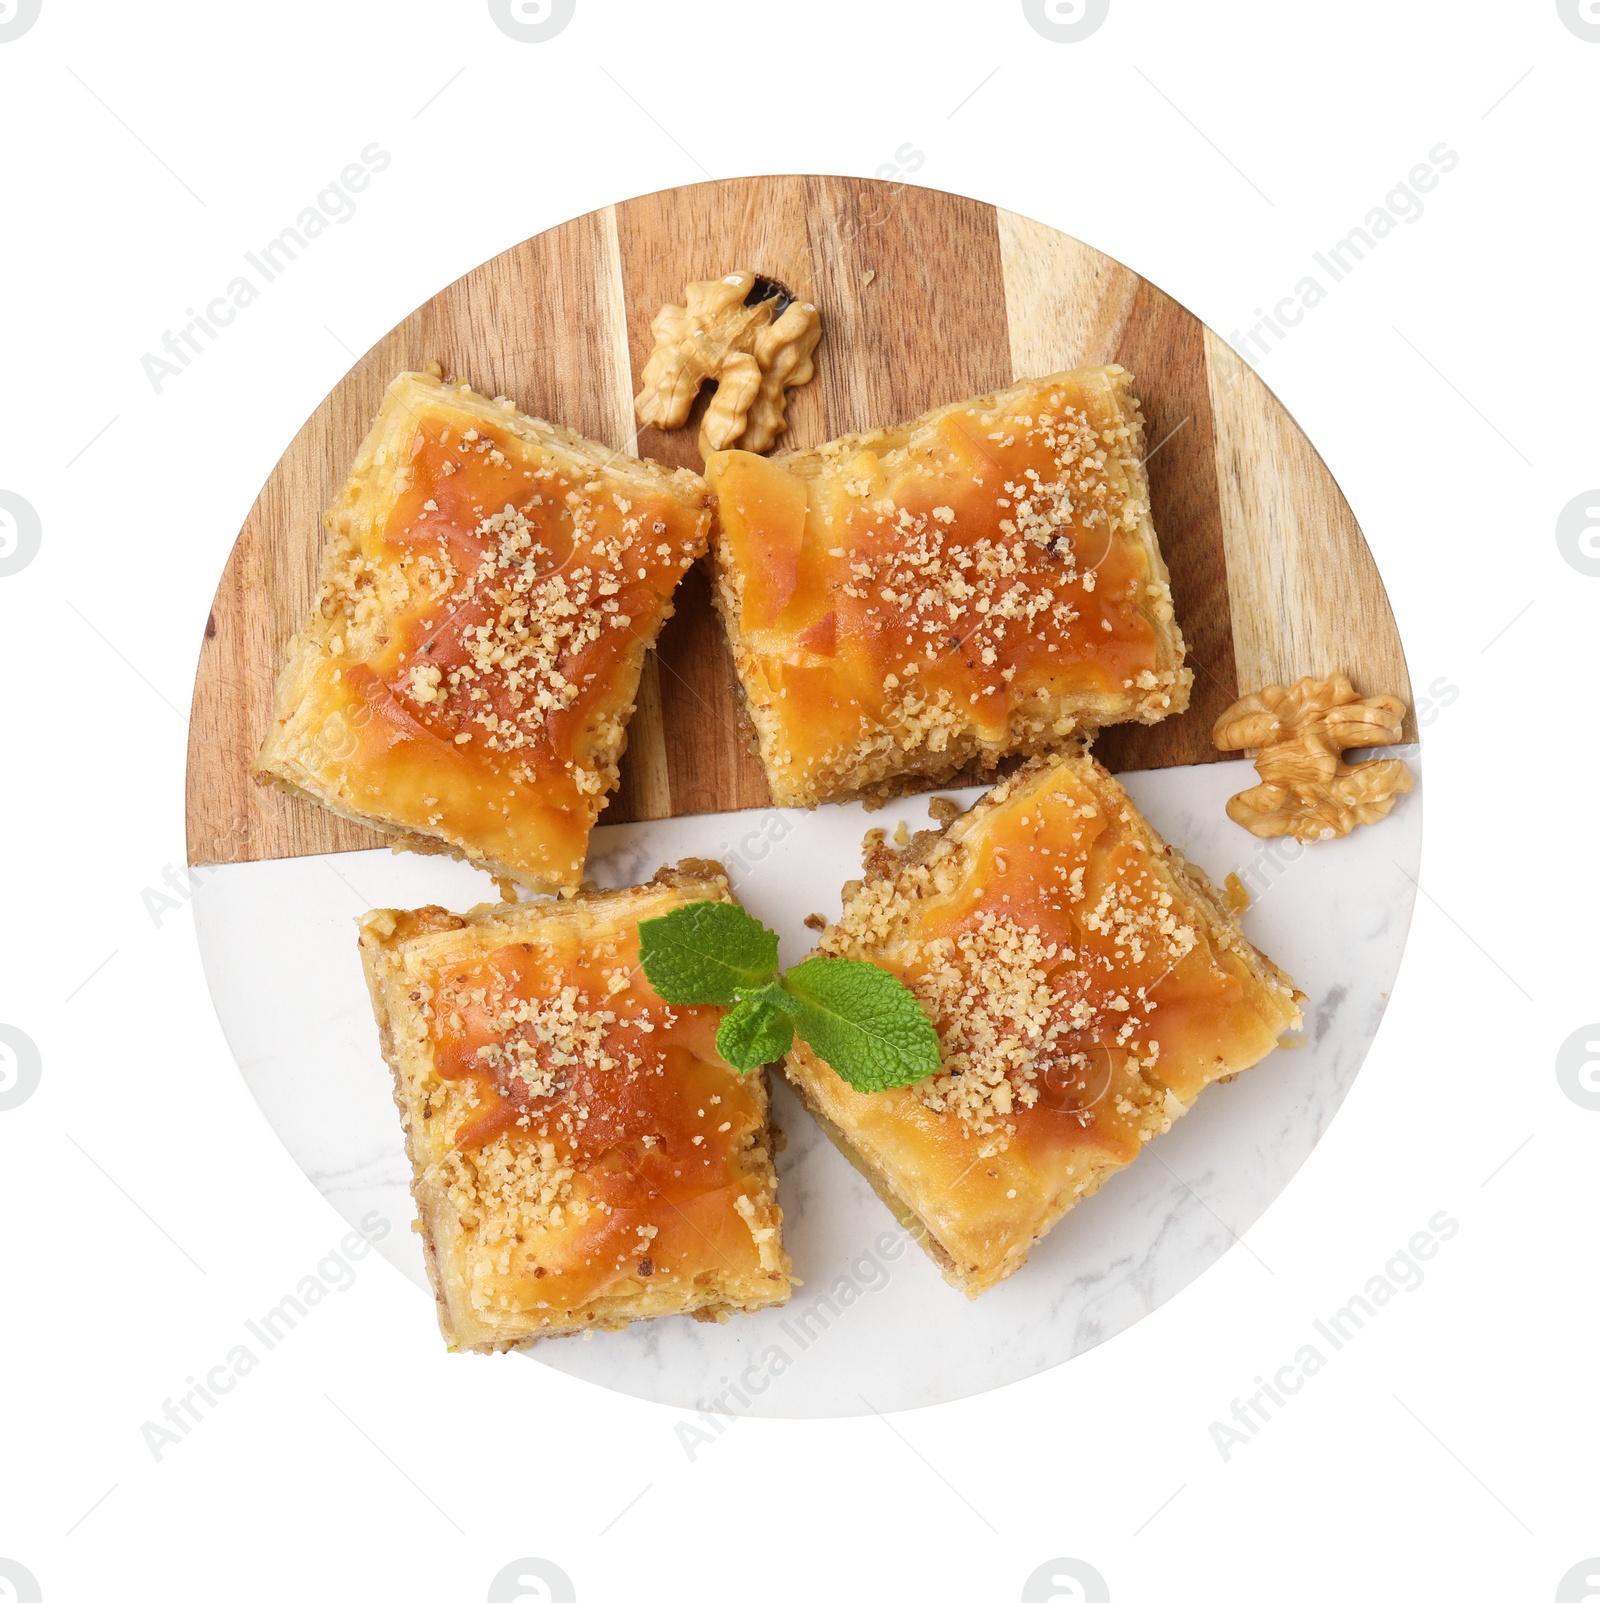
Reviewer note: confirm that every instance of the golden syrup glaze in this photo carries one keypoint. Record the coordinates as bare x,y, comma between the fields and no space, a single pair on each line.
965,577
558,1042
1074,982
480,635
1135,972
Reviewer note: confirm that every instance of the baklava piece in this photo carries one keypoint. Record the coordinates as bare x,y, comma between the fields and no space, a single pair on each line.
491,585
581,1155
982,581
1086,983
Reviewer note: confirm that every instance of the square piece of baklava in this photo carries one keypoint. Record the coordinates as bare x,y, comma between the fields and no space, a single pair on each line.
491,585
982,581
1086,984
581,1155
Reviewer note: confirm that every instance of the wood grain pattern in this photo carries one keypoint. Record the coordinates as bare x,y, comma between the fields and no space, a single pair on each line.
1164,348
913,297
1066,304
1304,592
925,298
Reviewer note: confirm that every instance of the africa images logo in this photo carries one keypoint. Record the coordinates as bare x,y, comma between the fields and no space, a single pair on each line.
1578,534
531,22
532,1580
1066,1580
1581,17
16,17
20,534
1578,1068
20,1067
1065,22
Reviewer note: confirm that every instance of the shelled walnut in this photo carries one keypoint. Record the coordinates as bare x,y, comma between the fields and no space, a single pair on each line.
1307,790
754,356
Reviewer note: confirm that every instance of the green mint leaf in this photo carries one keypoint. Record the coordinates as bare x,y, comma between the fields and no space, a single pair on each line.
773,995
863,1023
755,1033
707,952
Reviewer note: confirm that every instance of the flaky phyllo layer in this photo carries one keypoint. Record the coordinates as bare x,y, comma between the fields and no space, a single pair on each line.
982,581
491,585
1086,983
582,1155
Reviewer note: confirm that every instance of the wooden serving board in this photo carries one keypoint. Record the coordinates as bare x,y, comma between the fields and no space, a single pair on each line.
925,298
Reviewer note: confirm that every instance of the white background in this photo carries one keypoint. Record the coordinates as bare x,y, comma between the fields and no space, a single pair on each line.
1445,1452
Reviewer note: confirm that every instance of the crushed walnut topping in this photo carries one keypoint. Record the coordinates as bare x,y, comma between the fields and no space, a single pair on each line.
1038,934
495,1188
519,630
966,562
936,587
998,1016
550,1054
566,1087
544,1039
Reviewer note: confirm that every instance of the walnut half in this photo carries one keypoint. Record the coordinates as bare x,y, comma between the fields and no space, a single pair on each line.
1307,790
753,357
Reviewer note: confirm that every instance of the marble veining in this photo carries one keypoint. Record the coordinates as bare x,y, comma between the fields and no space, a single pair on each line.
874,1326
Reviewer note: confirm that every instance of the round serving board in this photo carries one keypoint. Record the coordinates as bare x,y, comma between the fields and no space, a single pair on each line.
925,298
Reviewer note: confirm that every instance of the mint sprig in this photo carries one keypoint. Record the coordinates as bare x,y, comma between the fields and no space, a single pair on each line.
858,1018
